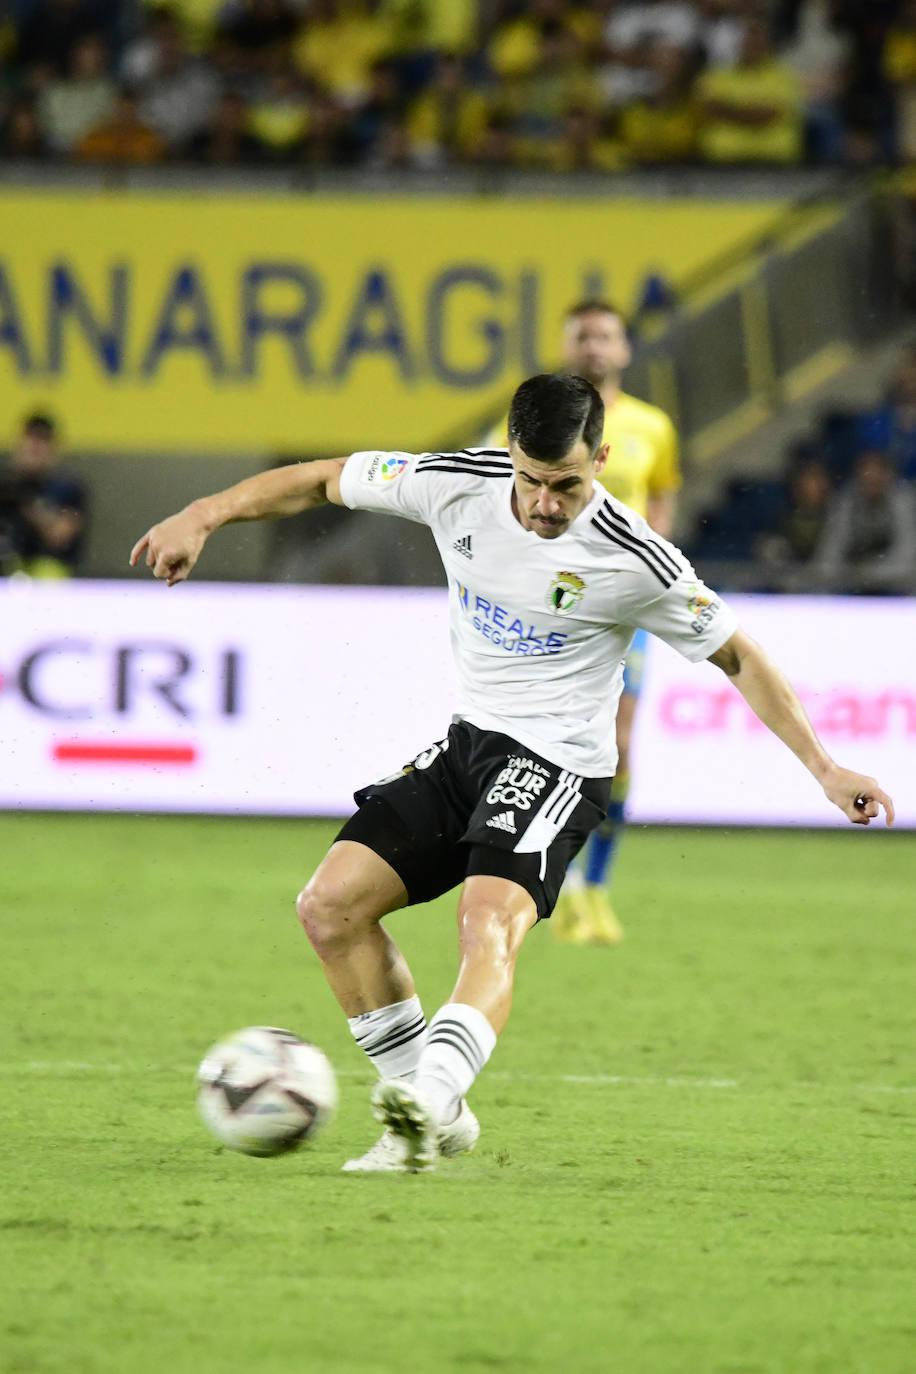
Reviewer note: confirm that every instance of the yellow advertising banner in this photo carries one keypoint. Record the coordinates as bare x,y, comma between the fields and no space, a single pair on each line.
290,324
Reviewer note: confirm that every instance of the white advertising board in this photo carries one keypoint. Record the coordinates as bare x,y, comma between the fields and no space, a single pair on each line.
273,700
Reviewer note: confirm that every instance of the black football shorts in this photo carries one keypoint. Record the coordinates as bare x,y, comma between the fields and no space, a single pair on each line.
479,802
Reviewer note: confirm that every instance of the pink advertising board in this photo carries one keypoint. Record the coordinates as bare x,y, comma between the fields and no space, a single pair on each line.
275,700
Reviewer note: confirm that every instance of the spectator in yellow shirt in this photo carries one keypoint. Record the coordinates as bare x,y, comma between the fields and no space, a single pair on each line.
122,138
663,126
753,111
448,120
338,47
899,63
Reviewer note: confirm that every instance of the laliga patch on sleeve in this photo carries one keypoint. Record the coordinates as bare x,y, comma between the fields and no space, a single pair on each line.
382,467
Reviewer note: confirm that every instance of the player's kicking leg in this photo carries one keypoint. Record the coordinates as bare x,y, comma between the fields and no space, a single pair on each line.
430,1115
341,910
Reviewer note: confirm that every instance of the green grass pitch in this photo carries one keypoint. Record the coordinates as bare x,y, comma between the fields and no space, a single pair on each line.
697,1152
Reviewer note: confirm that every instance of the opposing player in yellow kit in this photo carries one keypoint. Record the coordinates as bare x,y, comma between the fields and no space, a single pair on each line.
643,471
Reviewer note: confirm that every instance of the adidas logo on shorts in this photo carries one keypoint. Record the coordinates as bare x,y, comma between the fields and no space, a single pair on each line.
504,821
463,546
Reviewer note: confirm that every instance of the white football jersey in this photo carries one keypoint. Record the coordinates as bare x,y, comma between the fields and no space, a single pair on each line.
540,628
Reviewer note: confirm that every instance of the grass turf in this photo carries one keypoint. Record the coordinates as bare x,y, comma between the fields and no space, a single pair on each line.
697,1150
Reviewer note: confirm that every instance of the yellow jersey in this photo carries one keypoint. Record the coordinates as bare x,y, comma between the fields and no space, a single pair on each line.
642,458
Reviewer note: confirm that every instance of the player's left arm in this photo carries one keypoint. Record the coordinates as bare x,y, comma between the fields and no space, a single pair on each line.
771,697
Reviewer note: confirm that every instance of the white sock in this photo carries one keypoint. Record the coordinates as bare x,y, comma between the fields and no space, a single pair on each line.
392,1036
459,1042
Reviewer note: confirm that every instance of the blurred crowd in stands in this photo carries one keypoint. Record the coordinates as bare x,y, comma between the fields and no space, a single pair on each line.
841,517
600,85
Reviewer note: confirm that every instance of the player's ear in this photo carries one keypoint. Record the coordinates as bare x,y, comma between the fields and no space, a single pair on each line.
601,457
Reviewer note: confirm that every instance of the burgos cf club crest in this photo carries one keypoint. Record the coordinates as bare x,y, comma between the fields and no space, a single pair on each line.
566,591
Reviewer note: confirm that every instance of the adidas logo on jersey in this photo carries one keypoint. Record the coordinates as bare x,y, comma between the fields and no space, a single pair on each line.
463,546
504,821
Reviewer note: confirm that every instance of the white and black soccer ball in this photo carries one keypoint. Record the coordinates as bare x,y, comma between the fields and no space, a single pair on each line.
264,1091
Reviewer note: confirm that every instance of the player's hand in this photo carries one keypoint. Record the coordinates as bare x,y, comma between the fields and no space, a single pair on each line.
172,547
858,797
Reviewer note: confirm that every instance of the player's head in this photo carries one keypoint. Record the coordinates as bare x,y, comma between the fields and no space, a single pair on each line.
595,343
555,427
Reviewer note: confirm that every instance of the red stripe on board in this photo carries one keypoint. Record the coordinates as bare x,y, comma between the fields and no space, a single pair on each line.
85,751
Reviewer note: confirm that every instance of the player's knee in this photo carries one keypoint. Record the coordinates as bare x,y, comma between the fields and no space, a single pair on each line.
325,921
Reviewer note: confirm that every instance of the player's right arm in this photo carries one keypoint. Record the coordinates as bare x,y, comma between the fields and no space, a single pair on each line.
174,545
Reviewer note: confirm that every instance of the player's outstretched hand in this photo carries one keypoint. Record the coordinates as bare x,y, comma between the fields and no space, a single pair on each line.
858,797
172,547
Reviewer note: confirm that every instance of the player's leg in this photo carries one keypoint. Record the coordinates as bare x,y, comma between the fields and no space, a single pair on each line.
341,909
404,841
530,819
494,915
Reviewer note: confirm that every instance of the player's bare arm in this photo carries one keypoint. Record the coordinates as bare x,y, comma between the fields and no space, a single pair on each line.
773,700
174,545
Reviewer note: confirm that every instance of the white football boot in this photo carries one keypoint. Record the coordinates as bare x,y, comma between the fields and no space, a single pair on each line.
390,1152
401,1107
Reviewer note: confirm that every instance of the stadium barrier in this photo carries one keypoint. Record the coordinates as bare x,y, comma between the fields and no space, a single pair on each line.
274,700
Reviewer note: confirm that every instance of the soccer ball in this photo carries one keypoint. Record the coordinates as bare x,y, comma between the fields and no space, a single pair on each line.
264,1091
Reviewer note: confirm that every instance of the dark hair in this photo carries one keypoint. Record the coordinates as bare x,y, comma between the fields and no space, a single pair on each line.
39,424
594,305
551,412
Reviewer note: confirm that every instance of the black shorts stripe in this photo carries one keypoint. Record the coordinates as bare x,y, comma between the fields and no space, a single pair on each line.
634,548
665,560
568,785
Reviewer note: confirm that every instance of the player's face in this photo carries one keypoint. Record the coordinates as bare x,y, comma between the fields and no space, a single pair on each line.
595,346
548,496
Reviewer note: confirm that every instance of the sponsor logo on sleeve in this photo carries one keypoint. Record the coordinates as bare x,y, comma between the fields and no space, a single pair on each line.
393,466
382,467
565,593
703,606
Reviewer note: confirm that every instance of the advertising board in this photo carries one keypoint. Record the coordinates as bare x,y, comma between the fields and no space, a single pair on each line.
273,700
282,323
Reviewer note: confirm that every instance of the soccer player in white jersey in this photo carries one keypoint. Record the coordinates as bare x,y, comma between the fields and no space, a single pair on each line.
549,577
